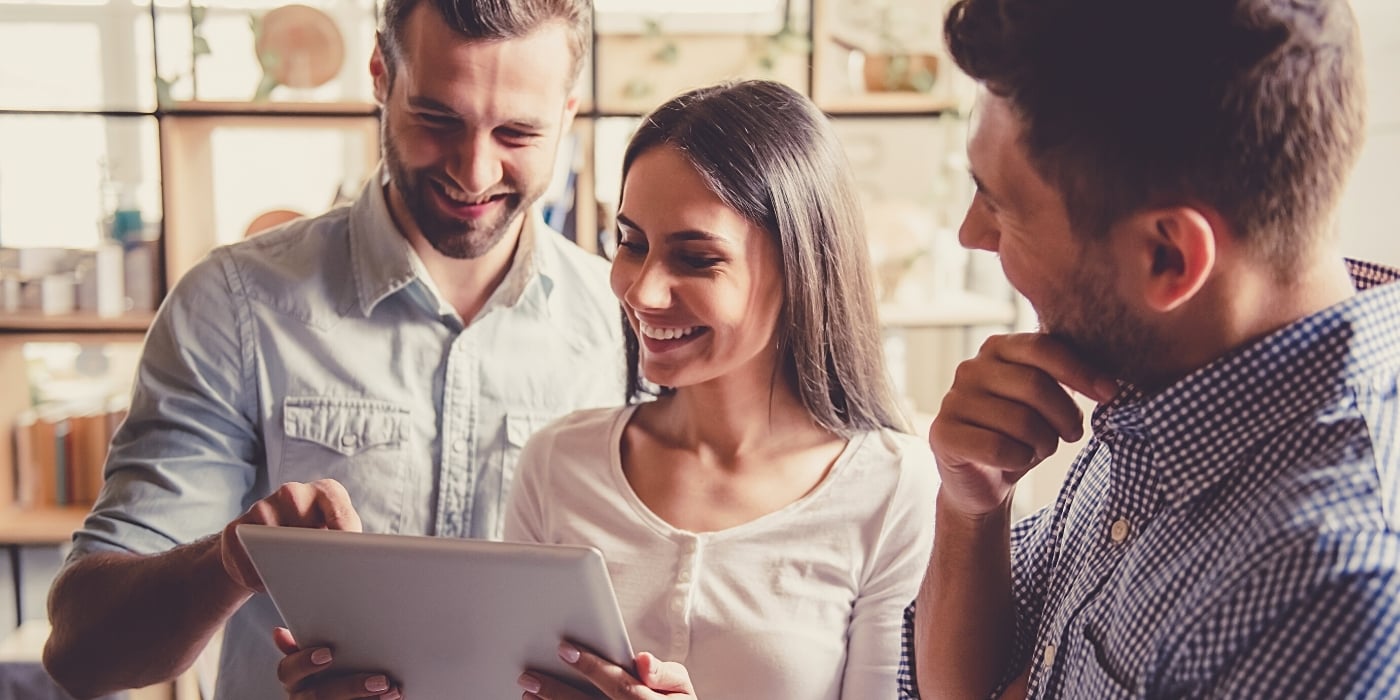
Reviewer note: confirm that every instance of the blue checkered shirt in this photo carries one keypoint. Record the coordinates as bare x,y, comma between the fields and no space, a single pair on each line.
1234,536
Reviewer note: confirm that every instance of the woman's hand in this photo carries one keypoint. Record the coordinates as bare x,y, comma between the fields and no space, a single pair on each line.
655,679
307,674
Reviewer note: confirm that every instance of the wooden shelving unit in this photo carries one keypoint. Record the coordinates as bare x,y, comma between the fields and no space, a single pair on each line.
33,322
269,108
39,526
888,104
625,75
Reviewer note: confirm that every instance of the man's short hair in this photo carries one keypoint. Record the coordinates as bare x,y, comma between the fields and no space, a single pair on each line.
491,20
1252,107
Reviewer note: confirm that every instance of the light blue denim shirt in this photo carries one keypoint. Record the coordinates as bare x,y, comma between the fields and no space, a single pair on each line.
322,350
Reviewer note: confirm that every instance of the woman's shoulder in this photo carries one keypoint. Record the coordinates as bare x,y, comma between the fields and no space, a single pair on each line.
895,448
585,423
585,433
905,459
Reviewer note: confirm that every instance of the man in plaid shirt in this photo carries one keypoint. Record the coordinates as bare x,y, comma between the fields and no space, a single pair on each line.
1160,179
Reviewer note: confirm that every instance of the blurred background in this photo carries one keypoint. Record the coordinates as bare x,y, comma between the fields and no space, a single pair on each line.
136,135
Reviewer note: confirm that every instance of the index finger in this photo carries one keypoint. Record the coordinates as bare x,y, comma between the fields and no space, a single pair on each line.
1058,359
613,680
333,503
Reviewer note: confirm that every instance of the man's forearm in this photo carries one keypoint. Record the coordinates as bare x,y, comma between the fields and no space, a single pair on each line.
965,617
126,621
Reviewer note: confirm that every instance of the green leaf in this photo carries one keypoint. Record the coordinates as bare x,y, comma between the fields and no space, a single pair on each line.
922,80
197,14
163,96
201,46
669,53
265,88
637,88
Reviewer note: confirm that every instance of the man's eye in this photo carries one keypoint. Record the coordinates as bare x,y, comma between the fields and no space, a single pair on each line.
438,120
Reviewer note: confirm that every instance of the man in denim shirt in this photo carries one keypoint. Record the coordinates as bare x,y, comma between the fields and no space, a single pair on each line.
388,359
1160,179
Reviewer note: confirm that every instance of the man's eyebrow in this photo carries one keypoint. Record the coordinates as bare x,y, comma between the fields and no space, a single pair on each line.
430,104
982,187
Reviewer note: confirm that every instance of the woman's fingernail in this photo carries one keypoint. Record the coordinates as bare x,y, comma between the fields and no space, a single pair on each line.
321,656
528,683
376,684
568,653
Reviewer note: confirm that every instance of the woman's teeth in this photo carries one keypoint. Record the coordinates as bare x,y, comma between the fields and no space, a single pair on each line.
656,333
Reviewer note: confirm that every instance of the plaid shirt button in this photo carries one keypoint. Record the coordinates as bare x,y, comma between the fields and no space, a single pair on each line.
1119,531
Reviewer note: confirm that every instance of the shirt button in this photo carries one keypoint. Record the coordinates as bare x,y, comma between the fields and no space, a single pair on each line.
349,440
1048,659
459,445
1119,531
684,576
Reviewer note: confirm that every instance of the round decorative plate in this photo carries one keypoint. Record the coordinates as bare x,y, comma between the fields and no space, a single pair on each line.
299,46
270,219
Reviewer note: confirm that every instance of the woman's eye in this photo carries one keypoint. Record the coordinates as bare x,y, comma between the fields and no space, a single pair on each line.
701,263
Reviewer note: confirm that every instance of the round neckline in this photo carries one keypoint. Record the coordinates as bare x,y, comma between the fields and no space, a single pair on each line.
669,531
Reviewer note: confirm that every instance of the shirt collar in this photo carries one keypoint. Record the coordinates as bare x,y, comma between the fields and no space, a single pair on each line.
385,262
1221,411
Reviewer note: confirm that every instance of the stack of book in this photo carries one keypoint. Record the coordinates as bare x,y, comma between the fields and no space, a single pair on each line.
60,452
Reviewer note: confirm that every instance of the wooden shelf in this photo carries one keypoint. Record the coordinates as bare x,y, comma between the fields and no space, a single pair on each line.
203,108
892,103
33,322
49,525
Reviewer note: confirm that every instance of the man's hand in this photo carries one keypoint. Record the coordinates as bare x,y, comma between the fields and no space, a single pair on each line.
306,674
1006,412
322,504
658,679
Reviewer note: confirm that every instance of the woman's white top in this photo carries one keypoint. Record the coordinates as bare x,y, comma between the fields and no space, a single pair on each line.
803,603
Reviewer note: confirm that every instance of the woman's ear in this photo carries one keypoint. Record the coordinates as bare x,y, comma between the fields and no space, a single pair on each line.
1174,251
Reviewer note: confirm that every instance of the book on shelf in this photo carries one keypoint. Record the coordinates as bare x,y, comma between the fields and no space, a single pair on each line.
60,453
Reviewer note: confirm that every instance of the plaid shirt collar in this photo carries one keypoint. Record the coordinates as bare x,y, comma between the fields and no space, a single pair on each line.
1221,411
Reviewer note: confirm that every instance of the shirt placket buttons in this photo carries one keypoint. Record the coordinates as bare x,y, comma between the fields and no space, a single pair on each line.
679,628
1119,531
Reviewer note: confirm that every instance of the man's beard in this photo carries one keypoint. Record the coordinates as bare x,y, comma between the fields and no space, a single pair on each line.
1103,331
455,238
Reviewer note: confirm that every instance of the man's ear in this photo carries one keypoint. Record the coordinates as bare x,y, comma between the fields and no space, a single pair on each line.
379,72
1174,249
570,111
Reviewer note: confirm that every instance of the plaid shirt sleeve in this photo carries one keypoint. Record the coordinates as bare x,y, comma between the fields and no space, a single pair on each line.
1336,636
1029,573
908,689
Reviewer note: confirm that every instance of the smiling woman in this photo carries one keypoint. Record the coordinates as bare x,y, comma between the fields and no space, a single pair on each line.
765,519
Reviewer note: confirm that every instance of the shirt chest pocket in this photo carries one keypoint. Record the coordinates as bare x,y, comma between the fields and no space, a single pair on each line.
1093,670
518,429
362,443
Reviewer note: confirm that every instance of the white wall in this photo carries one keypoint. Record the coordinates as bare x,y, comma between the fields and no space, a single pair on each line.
1368,218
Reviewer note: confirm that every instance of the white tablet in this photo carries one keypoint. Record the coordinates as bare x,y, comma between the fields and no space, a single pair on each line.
444,618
